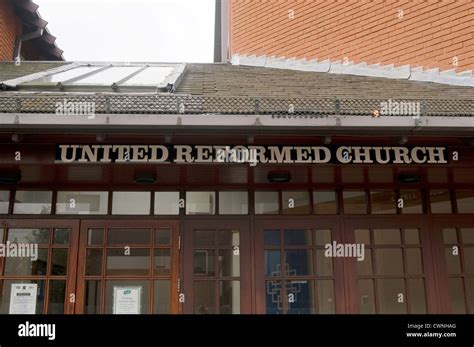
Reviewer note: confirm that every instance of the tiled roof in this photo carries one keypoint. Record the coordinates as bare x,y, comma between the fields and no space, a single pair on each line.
9,70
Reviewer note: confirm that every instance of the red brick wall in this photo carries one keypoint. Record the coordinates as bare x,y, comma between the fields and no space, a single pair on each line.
10,28
430,33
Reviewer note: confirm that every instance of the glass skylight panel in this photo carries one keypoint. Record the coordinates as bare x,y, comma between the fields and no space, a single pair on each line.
108,76
151,76
66,75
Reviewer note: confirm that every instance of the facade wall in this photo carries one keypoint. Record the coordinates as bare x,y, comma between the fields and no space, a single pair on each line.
431,34
10,28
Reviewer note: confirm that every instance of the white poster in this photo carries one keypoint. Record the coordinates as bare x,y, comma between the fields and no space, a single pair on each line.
127,300
23,298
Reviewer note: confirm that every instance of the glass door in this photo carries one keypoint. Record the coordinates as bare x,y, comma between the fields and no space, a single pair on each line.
217,267
128,267
296,274
38,266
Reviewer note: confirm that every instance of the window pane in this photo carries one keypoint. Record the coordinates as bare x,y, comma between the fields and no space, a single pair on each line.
456,293
383,202
352,175
128,237
355,202
273,297
204,238
323,263
387,237
362,236
93,262
324,202
131,203
300,297
366,295
388,261
470,288
95,236
82,203
467,235
162,262
412,236
204,263
299,262
5,294
297,237
272,263
27,266
412,201
450,236
32,202
228,238
200,202
92,297
30,236
468,253
453,263
57,294
204,297
108,76
122,284
151,76
440,201
162,297
162,236
322,237
417,295
364,267
59,262
4,201
266,203
392,296
229,297
414,261
465,201
61,236
380,175
166,203
135,262
66,75
271,237
229,263
233,203
293,202
326,298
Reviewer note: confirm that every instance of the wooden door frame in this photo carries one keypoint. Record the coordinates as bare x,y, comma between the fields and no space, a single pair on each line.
128,223
303,222
73,224
215,222
438,223
420,222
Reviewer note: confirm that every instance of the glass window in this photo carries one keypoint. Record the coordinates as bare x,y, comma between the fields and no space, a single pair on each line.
467,235
61,236
456,293
367,297
297,237
416,287
383,202
229,297
162,297
294,202
23,266
153,76
200,203
4,201
5,294
131,203
82,203
95,236
108,76
136,262
32,202
440,201
301,297
122,284
59,261
162,262
388,261
204,297
389,293
326,298
273,297
93,262
412,236
387,237
233,203
166,203
450,236
355,202
412,201
266,203
123,236
92,297
66,75
325,202
465,201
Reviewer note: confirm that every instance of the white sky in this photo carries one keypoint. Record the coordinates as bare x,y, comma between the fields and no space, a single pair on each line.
132,30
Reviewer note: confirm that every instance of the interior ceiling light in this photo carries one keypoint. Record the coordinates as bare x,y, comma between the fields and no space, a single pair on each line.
10,177
279,176
409,178
145,178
